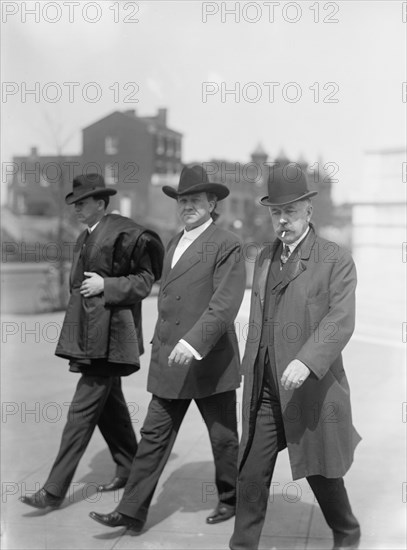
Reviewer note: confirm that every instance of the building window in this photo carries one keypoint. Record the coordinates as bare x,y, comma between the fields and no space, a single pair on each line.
170,147
160,148
21,205
234,206
159,167
177,148
111,145
111,173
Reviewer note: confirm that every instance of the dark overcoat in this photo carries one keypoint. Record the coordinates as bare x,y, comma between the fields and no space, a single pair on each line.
312,321
198,302
108,326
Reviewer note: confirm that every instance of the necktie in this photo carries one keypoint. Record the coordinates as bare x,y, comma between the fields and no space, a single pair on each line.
284,255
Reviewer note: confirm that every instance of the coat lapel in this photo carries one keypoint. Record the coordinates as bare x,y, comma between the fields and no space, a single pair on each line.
297,262
76,255
191,256
262,273
168,257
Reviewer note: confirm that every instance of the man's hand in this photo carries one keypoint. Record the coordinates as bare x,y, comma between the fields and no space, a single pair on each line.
294,375
93,285
180,355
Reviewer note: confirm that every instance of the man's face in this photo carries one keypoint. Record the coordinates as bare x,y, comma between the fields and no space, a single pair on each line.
291,220
89,210
194,210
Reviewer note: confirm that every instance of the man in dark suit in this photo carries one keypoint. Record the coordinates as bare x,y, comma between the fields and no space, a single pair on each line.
296,394
194,353
115,264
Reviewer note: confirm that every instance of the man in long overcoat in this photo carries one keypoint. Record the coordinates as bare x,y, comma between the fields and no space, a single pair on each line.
195,352
296,394
115,264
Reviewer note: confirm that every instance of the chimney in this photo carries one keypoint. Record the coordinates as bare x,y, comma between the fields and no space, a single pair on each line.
130,112
162,117
33,152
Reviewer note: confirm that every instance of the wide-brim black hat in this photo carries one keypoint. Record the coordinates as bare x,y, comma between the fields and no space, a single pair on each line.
286,184
89,185
194,179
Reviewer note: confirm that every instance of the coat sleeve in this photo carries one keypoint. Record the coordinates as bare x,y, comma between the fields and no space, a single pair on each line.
229,282
331,333
129,288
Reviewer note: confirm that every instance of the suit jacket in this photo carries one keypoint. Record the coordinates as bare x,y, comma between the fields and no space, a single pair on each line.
312,320
198,302
107,327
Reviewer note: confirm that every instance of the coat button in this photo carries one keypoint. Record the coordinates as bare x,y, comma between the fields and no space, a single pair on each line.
178,297
177,322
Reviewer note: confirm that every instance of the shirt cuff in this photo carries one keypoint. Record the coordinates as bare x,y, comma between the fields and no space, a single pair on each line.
197,355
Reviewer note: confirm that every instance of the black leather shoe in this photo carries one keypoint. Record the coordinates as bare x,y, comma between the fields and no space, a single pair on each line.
115,483
42,499
221,513
116,519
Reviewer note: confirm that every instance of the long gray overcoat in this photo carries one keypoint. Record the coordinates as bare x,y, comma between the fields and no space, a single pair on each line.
312,321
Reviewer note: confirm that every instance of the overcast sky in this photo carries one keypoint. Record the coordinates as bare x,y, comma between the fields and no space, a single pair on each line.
169,56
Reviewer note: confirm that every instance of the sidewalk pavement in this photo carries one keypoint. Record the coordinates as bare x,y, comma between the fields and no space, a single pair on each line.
36,391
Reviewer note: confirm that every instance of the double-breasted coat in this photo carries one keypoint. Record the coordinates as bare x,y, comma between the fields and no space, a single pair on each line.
312,320
108,326
198,302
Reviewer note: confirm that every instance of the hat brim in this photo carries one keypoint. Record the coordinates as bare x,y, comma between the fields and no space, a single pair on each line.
71,198
288,199
221,191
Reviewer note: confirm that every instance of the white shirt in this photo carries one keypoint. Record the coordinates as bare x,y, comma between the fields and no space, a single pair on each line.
185,241
187,238
90,229
294,245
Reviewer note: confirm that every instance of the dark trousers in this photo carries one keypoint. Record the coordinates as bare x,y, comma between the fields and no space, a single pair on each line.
98,401
255,478
160,429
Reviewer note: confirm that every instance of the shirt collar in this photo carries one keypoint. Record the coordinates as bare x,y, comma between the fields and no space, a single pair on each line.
194,233
90,229
294,245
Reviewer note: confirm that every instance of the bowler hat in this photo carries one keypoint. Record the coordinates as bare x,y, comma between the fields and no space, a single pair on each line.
286,184
194,179
88,185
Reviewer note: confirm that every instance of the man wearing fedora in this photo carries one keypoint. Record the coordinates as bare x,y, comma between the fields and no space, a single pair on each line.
115,264
195,352
296,394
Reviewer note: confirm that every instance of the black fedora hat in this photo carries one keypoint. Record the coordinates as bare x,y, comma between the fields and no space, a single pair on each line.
194,179
286,184
88,185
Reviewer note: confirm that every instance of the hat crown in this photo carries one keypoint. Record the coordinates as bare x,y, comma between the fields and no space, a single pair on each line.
194,179
87,182
192,176
286,183
88,185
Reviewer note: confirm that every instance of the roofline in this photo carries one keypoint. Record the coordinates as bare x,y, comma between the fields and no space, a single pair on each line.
144,119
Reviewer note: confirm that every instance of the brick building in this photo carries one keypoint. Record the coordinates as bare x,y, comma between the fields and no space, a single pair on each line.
135,154
39,181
